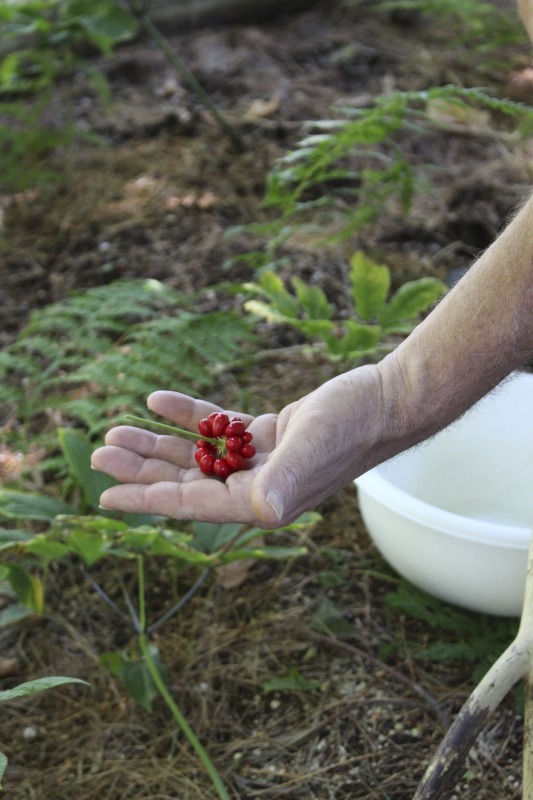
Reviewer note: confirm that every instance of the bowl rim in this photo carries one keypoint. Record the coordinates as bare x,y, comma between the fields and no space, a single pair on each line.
384,491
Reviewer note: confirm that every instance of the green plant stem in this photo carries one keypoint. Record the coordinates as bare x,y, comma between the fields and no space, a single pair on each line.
182,70
167,697
140,590
161,426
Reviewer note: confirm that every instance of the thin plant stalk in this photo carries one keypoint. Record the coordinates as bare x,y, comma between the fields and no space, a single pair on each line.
513,665
105,597
162,427
137,625
179,605
161,687
185,73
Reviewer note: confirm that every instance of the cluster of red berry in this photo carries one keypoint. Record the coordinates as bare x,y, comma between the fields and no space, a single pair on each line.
226,446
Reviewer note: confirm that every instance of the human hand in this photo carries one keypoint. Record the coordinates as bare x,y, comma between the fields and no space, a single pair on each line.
313,448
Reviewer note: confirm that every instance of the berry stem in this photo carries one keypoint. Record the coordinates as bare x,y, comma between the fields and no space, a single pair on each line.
160,426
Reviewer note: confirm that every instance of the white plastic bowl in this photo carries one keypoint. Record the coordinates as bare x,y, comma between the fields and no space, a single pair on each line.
454,515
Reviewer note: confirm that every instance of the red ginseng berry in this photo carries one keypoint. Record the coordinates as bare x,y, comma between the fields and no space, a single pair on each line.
222,468
206,462
247,450
219,424
234,443
205,427
235,460
235,428
231,449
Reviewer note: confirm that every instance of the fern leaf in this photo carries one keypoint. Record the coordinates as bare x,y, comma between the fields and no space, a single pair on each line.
100,352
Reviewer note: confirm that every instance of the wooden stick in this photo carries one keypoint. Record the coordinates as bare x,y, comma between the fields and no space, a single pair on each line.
513,665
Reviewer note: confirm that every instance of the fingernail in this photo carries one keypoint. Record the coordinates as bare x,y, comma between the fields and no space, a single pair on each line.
104,508
275,502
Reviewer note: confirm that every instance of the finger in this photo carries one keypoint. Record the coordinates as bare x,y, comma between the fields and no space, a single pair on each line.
202,500
129,467
185,410
151,445
287,485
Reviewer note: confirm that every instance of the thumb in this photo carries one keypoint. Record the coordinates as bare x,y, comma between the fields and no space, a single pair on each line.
282,489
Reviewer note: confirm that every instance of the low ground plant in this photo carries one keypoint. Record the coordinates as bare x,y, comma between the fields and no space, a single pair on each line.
84,362
85,356
338,178
26,555
43,42
375,315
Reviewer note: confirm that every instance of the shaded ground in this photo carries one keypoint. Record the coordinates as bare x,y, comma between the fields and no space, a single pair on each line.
156,201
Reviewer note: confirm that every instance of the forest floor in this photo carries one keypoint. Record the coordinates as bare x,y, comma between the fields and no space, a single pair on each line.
156,202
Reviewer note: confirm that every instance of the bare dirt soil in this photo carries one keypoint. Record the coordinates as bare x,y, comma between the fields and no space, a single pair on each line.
155,200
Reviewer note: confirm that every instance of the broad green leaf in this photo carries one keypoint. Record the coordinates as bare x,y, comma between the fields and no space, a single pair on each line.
100,525
13,540
88,545
9,68
271,285
28,588
38,685
313,327
13,613
3,765
5,587
8,536
174,544
267,312
28,505
107,26
77,451
357,340
411,299
370,285
46,548
304,521
209,537
312,299
139,682
113,660
291,681
249,535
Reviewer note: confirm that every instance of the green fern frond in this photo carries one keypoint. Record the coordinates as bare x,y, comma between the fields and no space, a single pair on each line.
355,163
99,353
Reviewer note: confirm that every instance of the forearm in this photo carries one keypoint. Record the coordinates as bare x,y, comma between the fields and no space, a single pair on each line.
479,333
